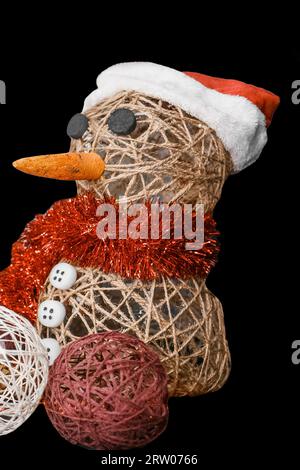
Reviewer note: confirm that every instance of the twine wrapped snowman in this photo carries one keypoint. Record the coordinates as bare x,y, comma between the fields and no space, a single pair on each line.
147,134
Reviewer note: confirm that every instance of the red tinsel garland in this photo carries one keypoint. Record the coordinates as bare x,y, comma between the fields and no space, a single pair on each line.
68,232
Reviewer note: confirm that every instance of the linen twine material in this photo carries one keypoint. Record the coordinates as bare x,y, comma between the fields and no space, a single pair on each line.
23,370
180,319
169,155
108,392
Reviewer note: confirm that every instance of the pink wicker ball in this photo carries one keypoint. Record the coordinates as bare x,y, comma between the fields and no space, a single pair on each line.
107,391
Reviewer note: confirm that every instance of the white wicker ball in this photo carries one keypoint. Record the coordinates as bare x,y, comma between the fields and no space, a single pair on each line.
23,370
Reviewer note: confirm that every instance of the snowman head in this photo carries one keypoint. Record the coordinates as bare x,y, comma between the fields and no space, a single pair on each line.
150,132
152,150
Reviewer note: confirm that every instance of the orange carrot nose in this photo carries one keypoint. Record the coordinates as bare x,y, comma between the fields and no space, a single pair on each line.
63,166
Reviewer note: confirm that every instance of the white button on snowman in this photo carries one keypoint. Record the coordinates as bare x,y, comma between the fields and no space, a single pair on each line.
63,276
53,349
51,313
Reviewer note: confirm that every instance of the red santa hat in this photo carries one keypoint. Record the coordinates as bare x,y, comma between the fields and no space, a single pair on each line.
239,113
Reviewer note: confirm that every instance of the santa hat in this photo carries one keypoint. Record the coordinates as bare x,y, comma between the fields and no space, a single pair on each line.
239,113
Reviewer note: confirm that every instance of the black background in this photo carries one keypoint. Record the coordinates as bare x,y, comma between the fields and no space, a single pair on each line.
254,418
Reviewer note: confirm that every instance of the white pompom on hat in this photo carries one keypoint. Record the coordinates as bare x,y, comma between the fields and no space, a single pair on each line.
239,113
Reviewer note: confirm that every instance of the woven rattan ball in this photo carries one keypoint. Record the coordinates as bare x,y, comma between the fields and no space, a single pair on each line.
107,391
180,319
23,370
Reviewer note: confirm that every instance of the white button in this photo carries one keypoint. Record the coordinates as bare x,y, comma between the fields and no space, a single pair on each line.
53,349
63,276
51,313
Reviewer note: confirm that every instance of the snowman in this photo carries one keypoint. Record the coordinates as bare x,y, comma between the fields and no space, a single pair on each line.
146,133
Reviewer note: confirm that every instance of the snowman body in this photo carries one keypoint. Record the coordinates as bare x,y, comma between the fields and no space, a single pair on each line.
178,159
180,319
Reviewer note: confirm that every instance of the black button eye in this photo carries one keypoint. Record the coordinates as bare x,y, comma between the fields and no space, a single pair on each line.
122,121
77,126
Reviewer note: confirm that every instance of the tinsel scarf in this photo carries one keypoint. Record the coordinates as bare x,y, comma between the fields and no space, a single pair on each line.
68,232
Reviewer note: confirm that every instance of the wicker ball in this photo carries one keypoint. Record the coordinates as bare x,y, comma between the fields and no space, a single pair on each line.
23,370
107,391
